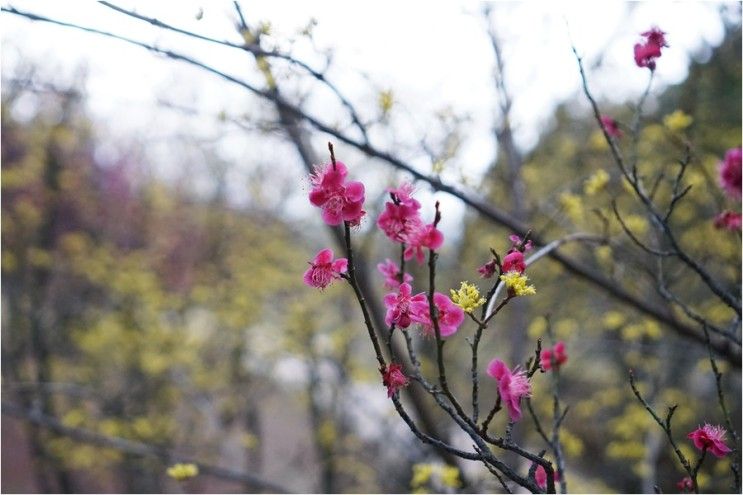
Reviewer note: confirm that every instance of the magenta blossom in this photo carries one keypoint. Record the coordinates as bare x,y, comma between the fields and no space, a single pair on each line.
399,306
404,195
517,241
730,173
488,269
393,378
398,221
450,316
339,201
545,357
685,485
647,52
323,269
391,273
728,220
514,261
540,476
611,126
427,236
711,438
512,386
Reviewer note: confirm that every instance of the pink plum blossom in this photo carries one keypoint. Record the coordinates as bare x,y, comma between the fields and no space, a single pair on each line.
647,52
338,200
391,273
540,476
399,306
711,438
398,221
450,316
393,378
545,357
323,269
730,173
427,236
685,485
611,126
514,261
517,241
728,220
488,269
512,386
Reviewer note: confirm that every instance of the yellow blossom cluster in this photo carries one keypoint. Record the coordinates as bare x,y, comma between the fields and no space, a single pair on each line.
516,283
467,297
677,121
181,472
596,182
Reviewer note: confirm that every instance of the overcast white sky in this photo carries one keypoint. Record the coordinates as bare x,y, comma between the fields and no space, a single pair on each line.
432,54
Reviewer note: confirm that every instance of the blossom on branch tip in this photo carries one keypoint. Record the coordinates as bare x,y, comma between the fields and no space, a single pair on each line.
512,386
611,126
546,356
711,438
399,306
647,52
488,269
540,476
517,241
391,273
516,284
393,378
728,220
685,485
467,297
450,316
730,173
323,269
427,236
340,201
514,261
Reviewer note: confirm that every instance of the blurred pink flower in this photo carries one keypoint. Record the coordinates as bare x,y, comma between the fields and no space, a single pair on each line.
611,126
545,357
647,52
685,485
399,306
512,386
540,476
393,378
488,269
426,236
404,194
730,173
391,273
339,201
728,220
323,270
514,261
450,316
710,438
516,241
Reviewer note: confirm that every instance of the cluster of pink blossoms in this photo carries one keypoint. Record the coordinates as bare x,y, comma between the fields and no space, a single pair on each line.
340,201
401,222
650,49
730,182
403,309
557,353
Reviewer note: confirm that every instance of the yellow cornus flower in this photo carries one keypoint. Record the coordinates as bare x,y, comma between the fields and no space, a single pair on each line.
183,472
596,182
467,297
516,283
677,121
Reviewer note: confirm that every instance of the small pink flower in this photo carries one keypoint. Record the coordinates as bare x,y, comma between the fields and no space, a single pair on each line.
488,269
645,54
398,221
404,194
728,220
426,236
393,378
730,173
516,241
545,357
540,476
685,485
339,201
323,270
514,261
611,126
391,273
450,316
399,306
512,386
710,438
